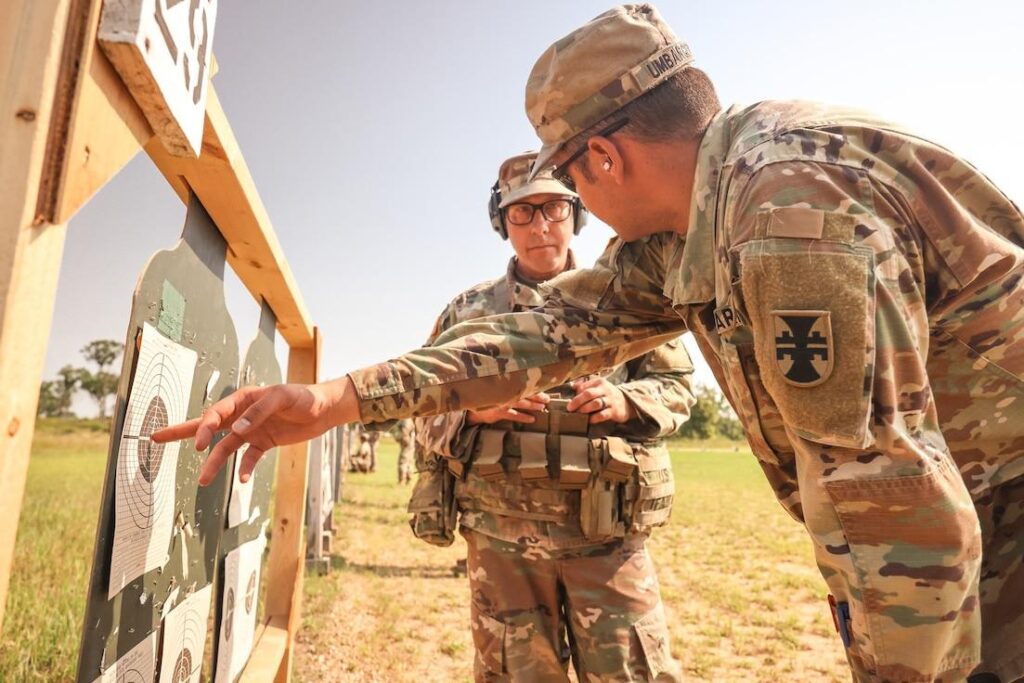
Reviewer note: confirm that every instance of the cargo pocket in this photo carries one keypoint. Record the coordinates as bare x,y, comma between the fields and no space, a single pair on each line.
650,497
489,641
652,632
432,505
915,546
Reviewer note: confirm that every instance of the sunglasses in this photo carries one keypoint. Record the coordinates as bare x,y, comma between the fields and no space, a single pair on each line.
561,172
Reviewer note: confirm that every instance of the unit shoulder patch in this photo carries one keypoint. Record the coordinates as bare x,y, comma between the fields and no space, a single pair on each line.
802,344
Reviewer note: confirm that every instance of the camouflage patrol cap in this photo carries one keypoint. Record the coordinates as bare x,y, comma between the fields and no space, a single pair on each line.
596,70
514,180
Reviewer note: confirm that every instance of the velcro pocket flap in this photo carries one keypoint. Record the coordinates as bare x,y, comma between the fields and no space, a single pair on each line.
652,632
811,304
534,463
621,464
491,445
569,423
574,461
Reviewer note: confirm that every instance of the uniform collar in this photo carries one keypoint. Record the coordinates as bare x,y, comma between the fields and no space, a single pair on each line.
515,282
692,272
513,277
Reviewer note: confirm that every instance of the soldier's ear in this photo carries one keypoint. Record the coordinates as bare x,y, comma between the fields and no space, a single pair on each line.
606,158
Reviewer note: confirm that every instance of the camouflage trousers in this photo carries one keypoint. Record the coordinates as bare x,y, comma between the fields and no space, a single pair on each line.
1001,591
926,582
533,609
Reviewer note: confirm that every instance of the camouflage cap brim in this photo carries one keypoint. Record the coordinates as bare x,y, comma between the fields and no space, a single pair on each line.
533,187
543,162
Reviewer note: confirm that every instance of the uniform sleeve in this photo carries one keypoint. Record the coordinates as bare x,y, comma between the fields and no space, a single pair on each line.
834,307
659,389
445,434
591,319
831,267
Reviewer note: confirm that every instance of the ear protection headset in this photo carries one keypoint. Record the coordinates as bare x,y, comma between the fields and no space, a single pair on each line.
579,213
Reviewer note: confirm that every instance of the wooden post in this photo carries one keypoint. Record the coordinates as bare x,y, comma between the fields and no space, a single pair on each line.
31,44
286,564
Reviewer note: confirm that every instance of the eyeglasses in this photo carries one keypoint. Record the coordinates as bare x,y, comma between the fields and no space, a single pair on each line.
561,172
521,213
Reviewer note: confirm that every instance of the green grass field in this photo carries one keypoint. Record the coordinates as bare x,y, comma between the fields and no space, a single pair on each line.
52,557
743,598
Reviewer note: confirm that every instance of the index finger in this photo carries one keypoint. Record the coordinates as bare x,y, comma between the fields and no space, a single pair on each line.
587,382
529,404
221,415
218,456
182,430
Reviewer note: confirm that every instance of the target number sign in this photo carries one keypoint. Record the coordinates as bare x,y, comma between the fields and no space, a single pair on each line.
162,51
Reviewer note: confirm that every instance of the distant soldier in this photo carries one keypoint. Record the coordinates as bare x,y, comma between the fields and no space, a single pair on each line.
405,436
361,458
371,438
556,503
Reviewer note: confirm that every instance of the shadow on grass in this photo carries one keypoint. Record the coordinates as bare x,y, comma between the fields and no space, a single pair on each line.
373,504
393,571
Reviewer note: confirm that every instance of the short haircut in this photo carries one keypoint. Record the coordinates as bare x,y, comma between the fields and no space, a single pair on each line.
681,108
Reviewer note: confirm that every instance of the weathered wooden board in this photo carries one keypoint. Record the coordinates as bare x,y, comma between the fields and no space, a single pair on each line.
163,49
31,42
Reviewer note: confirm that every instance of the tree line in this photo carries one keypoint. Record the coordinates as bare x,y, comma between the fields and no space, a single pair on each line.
57,395
710,416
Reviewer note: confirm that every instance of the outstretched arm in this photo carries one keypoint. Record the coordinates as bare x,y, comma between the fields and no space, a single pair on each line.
591,319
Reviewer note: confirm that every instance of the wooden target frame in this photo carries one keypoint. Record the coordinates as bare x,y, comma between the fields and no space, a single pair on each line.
69,124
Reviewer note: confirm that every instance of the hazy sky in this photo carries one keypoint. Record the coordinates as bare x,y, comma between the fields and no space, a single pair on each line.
374,131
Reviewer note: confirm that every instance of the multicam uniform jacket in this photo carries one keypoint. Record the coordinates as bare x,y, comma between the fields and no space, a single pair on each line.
858,294
657,385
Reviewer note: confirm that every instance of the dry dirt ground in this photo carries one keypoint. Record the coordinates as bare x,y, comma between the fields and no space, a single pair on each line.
744,600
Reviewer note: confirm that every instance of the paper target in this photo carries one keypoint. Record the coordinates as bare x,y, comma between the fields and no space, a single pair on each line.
182,667
229,612
133,676
240,503
159,386
241,597
250,592
185,638
138,665
146,471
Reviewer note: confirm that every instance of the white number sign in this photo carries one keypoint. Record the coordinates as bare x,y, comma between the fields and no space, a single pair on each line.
162,50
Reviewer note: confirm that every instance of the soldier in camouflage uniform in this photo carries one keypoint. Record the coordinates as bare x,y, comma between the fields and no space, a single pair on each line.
362,458
405,436
371,437
552,575
858,292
